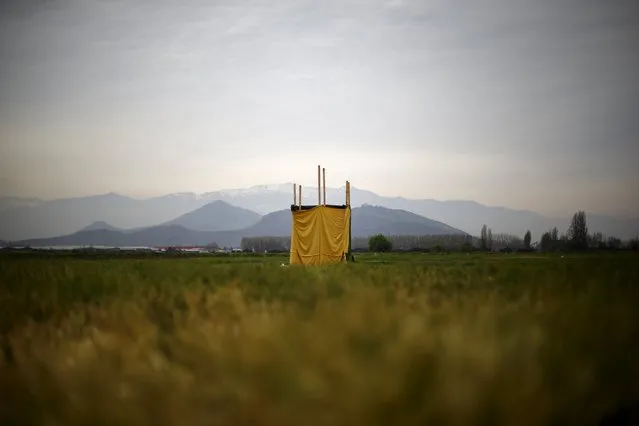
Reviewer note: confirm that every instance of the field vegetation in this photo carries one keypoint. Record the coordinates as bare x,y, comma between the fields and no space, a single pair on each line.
395,338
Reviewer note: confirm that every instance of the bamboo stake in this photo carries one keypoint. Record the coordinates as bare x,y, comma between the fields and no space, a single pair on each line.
319,187
346,193
324,184
350,221
294,194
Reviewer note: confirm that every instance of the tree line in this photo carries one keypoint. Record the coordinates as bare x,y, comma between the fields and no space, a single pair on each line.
577,237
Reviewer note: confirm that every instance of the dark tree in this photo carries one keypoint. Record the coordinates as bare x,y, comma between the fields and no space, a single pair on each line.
546,242
527,239
489,239
483,239
577,235
379,244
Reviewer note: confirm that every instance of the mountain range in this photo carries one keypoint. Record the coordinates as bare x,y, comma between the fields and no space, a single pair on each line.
26,219
366,220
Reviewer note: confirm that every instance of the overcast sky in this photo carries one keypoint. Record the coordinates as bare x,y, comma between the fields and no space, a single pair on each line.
526,104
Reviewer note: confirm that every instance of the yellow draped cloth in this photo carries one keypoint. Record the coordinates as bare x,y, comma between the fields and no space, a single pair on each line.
320,235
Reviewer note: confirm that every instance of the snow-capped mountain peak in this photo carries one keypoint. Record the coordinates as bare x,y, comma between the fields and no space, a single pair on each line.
253,190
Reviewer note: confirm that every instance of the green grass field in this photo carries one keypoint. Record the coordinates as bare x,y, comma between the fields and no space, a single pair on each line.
392,339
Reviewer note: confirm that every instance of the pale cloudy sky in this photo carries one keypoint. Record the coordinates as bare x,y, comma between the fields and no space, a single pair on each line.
521,103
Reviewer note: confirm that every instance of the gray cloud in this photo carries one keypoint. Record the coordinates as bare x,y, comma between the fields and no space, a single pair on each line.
517,96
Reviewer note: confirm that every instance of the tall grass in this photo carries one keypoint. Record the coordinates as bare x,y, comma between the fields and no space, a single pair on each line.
394,339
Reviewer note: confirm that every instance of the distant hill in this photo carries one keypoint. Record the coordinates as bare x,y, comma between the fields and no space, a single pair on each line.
101,226
217,216
367,220
276,224
148,237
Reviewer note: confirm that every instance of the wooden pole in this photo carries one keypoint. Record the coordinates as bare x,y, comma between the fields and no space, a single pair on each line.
300,196
346,194
295,194
349,257
319,186
324,184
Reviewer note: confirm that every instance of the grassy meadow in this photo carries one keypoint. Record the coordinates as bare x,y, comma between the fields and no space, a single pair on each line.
402,339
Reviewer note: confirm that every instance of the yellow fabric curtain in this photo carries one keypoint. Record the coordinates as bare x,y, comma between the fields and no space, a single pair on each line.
320,235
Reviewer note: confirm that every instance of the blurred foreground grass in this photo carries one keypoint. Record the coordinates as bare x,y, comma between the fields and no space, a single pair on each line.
393,339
